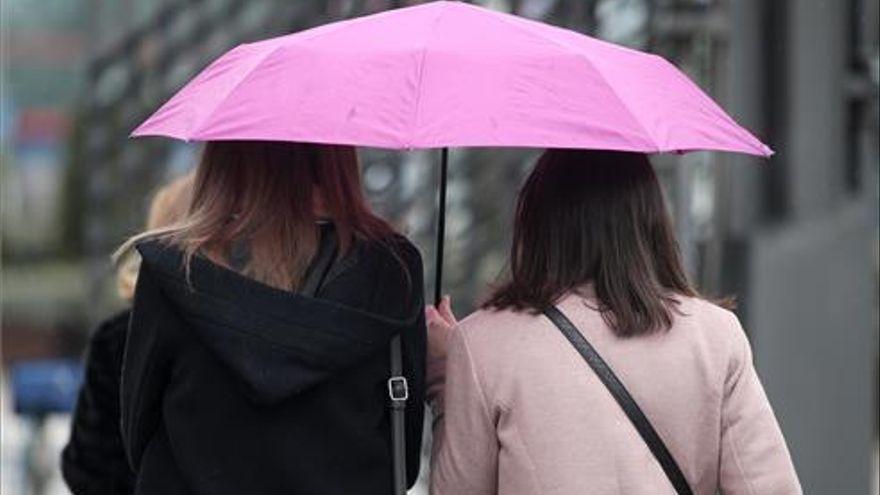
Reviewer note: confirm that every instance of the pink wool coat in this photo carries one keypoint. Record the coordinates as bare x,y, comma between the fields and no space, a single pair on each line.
521,413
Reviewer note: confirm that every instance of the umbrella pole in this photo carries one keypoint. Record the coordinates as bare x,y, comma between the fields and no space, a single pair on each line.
441,226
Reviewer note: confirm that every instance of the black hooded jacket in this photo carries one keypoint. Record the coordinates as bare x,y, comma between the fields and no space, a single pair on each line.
233,387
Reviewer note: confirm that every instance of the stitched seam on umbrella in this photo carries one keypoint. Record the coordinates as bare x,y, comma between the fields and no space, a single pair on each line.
424,54
632,114
700,93
338,26
233,88
572,50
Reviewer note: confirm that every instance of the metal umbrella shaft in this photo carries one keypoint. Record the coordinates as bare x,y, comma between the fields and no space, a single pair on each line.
441,226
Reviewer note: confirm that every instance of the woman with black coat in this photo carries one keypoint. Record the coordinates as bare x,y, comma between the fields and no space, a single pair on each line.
258,354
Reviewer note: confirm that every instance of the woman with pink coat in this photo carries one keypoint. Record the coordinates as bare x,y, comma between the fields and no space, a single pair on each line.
523,406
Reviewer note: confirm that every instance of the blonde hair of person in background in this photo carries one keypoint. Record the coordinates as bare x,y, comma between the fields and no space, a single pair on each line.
169,205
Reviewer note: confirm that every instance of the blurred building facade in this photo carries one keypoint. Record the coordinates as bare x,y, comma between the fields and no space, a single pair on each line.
800,235
794,239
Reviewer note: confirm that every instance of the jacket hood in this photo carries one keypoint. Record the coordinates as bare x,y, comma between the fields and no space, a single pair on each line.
278,343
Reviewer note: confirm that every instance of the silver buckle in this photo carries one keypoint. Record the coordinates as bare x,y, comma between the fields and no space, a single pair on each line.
398,389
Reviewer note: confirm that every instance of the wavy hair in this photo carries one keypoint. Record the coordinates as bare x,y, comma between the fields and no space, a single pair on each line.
267,198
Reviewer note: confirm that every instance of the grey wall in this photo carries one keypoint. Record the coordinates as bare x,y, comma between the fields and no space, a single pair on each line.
803,245
811,319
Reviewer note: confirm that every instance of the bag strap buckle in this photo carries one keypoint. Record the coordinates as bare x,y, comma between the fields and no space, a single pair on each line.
398,390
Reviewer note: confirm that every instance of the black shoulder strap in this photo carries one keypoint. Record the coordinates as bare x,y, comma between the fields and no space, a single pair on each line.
621,395
398,389
325,256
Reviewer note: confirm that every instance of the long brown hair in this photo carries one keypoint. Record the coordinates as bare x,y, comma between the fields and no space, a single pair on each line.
596,217
263,195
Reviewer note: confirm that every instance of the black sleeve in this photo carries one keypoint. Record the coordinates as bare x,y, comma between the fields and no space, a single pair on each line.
93,461
146,365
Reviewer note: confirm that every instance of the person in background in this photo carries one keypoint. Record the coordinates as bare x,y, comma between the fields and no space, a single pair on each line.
521,412
93,462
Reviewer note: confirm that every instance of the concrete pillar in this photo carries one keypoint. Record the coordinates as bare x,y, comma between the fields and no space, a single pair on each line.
817,34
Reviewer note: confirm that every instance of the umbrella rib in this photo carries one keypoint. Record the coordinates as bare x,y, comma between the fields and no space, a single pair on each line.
307,35
742,135
423,56
234,87
503,18
635,117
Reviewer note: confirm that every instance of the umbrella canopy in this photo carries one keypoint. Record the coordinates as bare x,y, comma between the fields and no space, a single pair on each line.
449,74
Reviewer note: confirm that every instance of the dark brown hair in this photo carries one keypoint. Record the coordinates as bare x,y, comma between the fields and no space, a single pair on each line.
265,194
596,217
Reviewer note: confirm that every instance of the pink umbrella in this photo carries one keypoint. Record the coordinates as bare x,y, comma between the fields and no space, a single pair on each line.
449,74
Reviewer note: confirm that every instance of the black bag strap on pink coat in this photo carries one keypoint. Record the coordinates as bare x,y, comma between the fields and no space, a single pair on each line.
622,396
